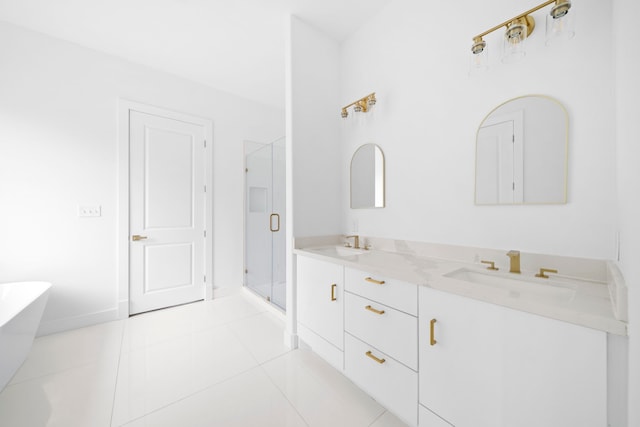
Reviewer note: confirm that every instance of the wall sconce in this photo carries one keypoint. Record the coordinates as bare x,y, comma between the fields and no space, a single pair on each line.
361,105
518,28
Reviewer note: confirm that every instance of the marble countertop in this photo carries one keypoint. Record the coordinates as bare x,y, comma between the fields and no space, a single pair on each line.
583,302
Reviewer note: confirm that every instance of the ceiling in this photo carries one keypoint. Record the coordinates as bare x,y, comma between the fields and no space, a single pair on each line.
237,46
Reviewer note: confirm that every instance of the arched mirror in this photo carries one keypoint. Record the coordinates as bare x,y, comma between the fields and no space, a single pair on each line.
367,177
521,153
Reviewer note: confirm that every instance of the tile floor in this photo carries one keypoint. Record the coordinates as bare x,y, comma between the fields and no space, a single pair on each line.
213,363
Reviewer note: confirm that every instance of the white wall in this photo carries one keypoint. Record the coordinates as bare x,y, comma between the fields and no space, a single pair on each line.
415,55
58,141
627,70
314,131
312,145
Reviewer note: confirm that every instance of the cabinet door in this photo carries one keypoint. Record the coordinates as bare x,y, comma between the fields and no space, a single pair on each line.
320,306
458,368
497,367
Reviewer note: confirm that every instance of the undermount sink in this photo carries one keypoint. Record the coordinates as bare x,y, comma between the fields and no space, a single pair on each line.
341,251
517,286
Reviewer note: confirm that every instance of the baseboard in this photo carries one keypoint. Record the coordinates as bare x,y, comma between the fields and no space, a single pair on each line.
290,340
68,323
123,309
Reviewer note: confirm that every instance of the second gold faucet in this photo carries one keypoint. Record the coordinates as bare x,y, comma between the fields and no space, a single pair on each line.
356,240
514,261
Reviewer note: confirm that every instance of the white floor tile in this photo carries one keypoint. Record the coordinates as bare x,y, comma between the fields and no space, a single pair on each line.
157,326
247,400
214,363
322,395
388,420
59,352
78,397
157,375
262,334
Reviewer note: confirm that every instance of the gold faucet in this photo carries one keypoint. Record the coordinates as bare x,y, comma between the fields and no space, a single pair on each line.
546,270
356,241
514,258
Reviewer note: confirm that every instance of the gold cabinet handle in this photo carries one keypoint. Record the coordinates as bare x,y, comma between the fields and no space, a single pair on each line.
432,333
333,292
374,310
370,355
377,282
137,237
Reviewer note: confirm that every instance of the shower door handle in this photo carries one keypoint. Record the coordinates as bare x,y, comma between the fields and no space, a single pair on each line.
274,230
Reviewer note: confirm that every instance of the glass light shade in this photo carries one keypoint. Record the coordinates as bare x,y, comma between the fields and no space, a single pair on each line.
560,27
479,61
513,45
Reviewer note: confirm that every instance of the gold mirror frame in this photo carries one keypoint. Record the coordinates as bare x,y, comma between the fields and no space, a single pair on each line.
537,167
374,183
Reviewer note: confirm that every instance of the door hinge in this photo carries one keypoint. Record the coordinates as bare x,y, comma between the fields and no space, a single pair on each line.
205,188
205,233
513,186
246,271
205,279
513,139
246,170
205,143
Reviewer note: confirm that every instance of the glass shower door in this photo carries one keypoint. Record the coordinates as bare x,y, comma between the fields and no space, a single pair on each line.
265,267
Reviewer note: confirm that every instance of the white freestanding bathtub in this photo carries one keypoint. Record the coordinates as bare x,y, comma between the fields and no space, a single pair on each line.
21,307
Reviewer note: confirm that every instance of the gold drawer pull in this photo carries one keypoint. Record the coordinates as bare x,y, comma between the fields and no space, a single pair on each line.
333,292
374,310
432,337
377,282
370,355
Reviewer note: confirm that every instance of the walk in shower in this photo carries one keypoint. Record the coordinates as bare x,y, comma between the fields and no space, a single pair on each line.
264,259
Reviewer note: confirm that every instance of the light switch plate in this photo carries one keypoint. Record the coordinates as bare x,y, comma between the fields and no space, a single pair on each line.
89,211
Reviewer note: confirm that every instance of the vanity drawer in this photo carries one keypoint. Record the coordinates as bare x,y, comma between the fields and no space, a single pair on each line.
400,295
391,331
391,383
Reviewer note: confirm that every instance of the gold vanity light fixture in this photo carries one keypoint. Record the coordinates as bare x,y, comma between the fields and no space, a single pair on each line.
362,105
518,28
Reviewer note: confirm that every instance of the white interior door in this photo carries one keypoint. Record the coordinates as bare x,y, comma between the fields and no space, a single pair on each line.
495,164
167,212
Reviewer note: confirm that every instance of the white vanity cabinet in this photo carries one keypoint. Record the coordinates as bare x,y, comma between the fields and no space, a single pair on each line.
483,365
320,293
381,342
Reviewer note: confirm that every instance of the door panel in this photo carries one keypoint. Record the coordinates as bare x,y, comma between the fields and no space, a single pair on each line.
169,173
495,164
168,266
167,209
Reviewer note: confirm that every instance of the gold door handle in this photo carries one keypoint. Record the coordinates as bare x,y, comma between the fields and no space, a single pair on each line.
274,230
370,355
137,237
377,282
333,292
374,310
432,333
